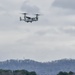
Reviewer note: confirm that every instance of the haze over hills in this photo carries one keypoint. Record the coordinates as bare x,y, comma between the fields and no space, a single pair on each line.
41,68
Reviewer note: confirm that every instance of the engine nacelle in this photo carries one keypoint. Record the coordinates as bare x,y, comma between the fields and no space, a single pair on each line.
20,19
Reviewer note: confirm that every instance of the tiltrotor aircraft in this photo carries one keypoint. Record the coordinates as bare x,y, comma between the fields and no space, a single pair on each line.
29,19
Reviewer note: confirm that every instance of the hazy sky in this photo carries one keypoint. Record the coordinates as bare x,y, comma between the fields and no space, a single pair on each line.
51,38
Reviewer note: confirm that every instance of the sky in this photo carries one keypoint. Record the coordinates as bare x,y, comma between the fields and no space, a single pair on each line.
50,38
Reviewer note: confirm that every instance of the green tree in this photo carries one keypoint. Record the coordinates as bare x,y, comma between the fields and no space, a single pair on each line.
32,73
71,73
65,73
60,73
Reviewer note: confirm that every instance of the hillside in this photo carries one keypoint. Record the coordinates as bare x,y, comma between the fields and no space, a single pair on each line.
46,68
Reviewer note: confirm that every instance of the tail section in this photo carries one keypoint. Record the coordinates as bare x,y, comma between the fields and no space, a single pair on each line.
37,16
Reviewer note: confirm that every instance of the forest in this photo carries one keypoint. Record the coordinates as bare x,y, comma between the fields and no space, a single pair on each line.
66,73
16,72
25,72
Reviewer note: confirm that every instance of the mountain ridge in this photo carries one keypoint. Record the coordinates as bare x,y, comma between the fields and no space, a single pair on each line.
41,68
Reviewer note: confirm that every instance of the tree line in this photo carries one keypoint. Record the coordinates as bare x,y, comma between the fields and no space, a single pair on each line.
66,73
16,72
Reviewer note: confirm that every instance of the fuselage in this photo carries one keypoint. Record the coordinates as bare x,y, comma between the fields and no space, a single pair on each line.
29,19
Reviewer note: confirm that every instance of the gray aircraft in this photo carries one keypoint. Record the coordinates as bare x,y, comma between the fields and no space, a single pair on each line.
29,19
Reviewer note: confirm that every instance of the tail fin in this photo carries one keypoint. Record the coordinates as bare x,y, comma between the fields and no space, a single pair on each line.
37,15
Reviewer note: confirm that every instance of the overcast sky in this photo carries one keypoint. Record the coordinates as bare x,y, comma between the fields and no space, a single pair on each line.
51,38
